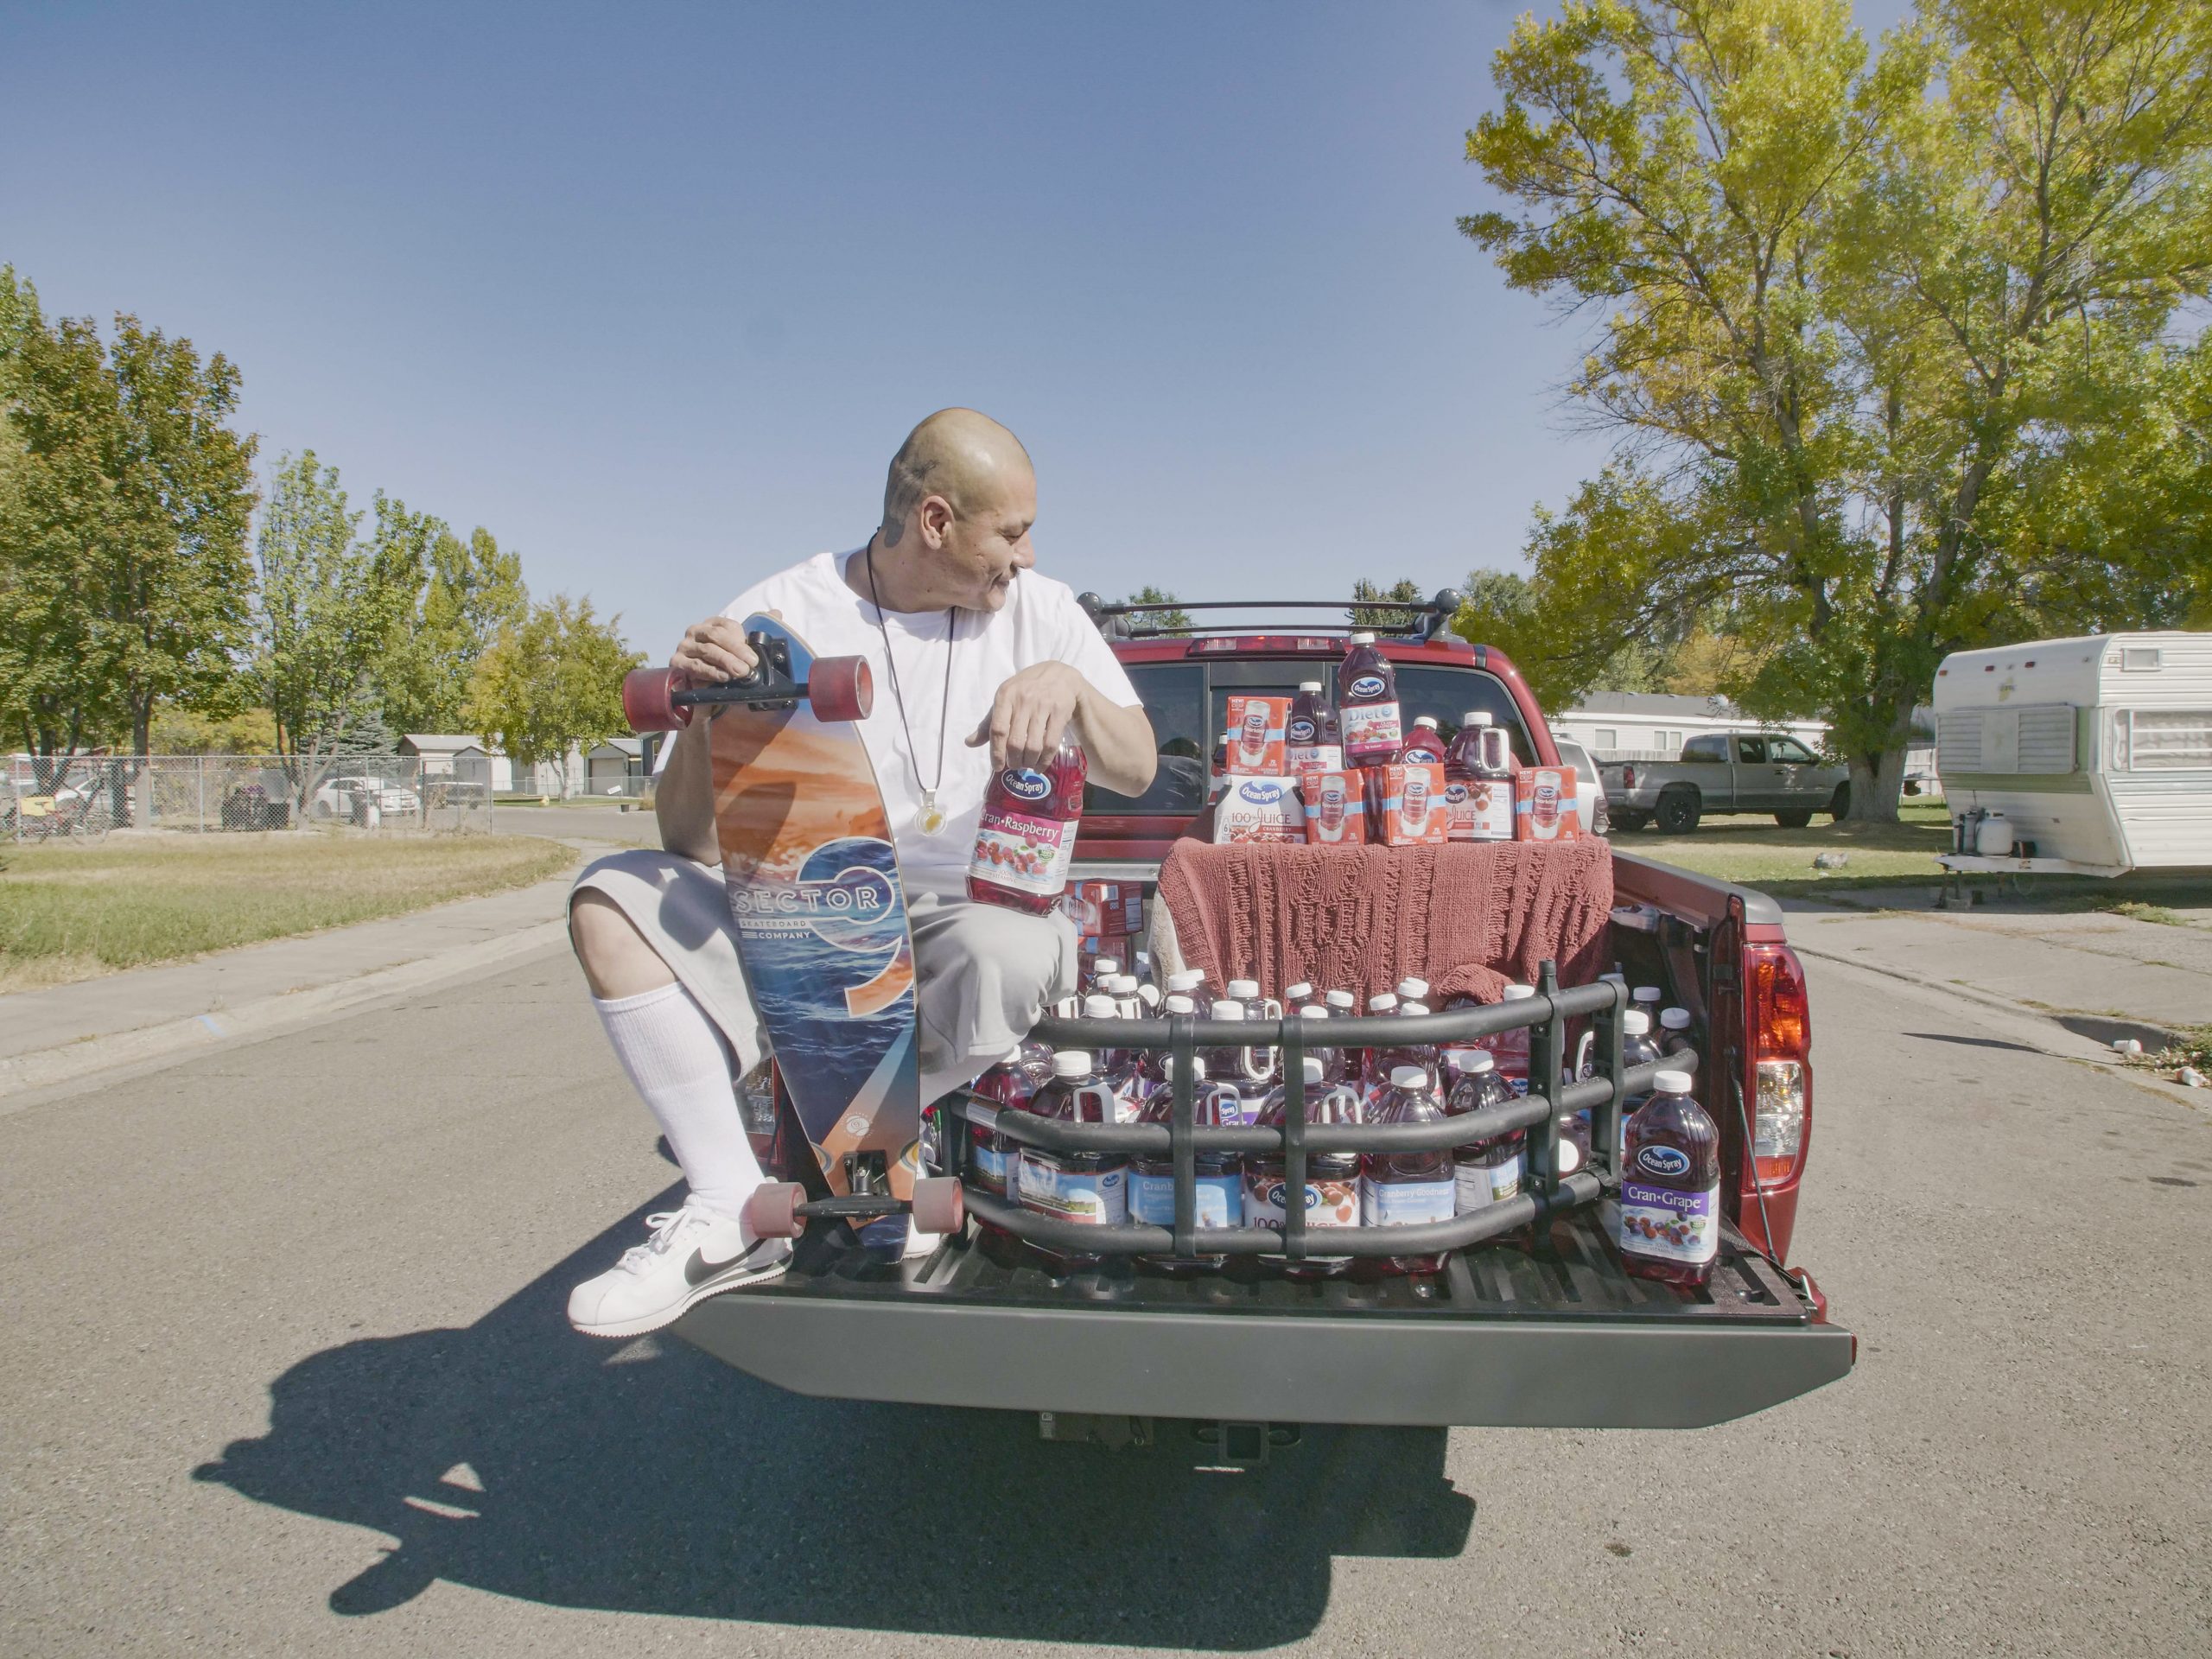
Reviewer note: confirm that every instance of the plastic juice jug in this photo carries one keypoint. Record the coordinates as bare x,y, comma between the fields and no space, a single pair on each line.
991,1155
1310,742
1258,1063
1026,838
1674,1030
1298,993
1648,999
1220,1186
1487,1171
1670,1187
1367,704
1091,1188
1424,743
1332,1059
1369,1069
1101,968
1478,781
1332,1195
1389,1059
1190,983
1637,1049
1403,1188
1509,1049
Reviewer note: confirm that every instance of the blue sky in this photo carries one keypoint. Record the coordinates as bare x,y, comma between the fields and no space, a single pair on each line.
654,293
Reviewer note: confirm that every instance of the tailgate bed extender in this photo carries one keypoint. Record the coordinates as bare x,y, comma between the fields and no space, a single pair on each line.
1559,1335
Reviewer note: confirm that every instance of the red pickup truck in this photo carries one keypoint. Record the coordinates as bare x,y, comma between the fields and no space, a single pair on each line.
1557,1336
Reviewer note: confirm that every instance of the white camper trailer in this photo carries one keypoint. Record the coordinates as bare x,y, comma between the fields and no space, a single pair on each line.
2095,754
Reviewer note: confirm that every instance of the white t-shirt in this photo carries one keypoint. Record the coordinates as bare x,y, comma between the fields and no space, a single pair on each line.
1040,622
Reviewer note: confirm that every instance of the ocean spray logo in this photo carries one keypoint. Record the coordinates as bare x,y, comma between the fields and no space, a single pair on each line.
1025,784
1664,1161
1455,793
1367,685
1260,794
1301,731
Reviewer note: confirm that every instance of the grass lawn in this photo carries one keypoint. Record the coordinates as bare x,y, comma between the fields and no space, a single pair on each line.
69,913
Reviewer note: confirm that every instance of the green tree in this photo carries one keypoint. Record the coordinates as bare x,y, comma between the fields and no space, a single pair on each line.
550,683
1391,617
460,595
326,613
1156,622
177,594
1873,333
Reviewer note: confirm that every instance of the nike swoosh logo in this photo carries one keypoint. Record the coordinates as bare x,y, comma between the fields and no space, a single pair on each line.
698,1269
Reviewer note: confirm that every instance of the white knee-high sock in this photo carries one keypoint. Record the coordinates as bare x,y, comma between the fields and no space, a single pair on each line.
680,1064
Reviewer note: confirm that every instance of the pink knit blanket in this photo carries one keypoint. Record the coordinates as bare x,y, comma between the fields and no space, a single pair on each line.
1467,916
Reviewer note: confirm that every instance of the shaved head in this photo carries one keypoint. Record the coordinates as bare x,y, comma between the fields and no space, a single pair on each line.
966,457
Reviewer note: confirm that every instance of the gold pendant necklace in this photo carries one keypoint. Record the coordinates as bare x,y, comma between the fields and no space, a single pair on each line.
931,820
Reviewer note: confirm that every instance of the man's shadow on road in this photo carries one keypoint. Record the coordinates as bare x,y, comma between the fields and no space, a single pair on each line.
519,1458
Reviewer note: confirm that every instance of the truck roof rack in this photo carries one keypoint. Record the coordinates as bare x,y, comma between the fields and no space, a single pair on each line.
1120,619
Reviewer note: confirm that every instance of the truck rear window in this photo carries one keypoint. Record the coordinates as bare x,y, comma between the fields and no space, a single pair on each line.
1189,706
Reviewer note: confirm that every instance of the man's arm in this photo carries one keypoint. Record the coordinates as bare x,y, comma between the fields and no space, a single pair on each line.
1035,706
684,799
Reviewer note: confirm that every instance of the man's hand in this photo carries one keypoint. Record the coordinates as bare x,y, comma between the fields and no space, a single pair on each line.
1030,712
713,650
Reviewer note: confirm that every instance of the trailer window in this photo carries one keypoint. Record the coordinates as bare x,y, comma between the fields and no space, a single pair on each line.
2163,739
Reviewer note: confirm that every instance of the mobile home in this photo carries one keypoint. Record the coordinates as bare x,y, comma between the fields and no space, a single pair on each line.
2098,750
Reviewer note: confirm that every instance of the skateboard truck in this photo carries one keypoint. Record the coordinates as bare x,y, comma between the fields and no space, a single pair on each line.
781,1208
835,689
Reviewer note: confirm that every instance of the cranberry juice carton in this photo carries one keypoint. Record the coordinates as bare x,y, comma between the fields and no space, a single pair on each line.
1543,804
1478,782
1670,1187
1310,740
1026,838
1336,807
1367,704
1259,809
1412,806
1256,736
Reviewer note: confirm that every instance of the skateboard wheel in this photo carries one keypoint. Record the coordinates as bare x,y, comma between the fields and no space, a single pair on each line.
772,1211
840,688
940,1205
648,700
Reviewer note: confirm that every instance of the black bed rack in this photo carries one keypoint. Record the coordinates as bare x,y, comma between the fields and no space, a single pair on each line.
1544,1192
1429,617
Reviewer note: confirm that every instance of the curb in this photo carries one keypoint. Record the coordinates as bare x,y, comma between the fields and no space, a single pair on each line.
266,1016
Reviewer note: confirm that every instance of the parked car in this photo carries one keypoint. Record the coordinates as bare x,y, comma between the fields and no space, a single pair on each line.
1556,1337
347,797
1726,772
1589,788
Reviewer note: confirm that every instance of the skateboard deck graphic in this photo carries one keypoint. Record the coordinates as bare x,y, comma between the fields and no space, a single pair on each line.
821,924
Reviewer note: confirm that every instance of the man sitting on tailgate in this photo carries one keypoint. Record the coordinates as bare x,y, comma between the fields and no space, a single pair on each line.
980,662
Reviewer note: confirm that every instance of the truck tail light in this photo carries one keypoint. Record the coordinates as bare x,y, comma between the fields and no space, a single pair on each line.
1781,1043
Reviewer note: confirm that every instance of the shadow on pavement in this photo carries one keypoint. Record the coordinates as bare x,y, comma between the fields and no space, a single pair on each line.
519,1458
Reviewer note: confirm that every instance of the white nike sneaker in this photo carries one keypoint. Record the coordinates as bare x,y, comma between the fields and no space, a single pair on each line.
693,1254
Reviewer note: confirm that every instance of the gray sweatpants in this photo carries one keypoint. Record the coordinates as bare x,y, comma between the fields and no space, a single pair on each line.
982,974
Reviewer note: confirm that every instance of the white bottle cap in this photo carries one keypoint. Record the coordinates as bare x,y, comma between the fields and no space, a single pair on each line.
1309,685
1428,721
1671,1082
1674,1019
1242,989
1301,992
1312,1071
1382,1002
1105,966
1186,979
1415,989
1636,1022
1197,1069
1475,717
1518,993
1072,1063
1149,996
1412,1008
1340,999
1178,1003
1409,1076
1648,993
1229,1011
1567,1156
1473,1060
1099,1007
1313,1011
1362,639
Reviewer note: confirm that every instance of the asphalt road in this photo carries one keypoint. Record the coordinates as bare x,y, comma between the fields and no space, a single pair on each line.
285,1372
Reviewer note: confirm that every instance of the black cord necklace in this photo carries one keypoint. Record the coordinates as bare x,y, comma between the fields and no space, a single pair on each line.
933,819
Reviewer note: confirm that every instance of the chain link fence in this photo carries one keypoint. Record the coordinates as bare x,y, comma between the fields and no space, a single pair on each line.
82,798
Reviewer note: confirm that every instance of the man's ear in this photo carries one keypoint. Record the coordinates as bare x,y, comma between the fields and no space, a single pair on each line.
935,515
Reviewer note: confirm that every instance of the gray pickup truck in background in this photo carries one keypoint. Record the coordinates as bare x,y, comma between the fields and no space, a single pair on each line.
1725,771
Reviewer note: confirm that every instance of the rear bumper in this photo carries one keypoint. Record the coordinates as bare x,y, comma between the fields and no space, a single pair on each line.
1502,1339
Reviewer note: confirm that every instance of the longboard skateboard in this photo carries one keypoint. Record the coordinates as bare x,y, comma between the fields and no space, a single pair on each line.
820,920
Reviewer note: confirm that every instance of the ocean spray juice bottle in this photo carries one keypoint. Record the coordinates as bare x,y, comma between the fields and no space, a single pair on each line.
1367,704
1670,1187
1026,838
